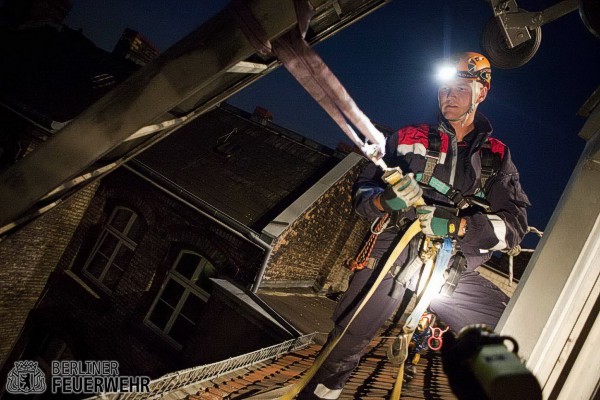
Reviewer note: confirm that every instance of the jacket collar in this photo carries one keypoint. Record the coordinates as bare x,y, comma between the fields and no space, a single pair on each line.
483,127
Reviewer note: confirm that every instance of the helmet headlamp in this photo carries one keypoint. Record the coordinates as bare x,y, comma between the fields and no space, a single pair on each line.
446,73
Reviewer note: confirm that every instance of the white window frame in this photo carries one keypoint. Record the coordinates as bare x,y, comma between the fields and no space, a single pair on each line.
189,289
123,240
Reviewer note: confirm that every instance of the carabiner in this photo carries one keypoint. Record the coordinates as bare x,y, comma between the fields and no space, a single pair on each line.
435,340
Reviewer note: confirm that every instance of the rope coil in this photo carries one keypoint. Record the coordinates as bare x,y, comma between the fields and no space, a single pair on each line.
377,227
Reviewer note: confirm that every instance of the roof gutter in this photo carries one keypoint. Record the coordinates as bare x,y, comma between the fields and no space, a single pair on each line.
170,188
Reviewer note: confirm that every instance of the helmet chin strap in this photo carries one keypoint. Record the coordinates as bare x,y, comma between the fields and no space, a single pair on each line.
472,107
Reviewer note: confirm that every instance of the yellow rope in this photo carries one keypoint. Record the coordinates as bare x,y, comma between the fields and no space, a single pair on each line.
398,384
414,229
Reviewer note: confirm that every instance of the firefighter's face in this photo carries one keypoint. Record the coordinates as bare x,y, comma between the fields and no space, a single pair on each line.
455,98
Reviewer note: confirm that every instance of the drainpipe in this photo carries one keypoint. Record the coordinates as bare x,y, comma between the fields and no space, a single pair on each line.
195,203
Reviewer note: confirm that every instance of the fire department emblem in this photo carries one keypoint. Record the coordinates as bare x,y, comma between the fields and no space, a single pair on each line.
26,378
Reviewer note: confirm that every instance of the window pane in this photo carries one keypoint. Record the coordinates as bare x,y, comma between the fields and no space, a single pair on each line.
192,309
161,314
203,281
96,266
121,218
187,264
172,293
123,257
108,245
181,330
112,277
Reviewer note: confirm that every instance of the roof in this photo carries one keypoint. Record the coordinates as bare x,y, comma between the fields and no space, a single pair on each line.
303,308
247,170
253,308
373,379
278,366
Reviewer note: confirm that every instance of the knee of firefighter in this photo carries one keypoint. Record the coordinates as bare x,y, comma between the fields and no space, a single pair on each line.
347,352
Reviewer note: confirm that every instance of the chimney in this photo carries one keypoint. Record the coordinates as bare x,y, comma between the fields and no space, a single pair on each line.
261,115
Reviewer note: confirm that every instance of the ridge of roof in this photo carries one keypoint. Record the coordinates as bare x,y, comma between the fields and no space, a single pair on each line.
282,131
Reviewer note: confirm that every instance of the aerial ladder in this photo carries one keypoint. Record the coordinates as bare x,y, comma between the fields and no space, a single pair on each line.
203,69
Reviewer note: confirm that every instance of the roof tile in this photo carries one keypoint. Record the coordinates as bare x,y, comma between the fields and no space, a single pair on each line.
373,379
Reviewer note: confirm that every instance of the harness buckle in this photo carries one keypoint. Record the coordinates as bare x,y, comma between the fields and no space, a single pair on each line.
458,199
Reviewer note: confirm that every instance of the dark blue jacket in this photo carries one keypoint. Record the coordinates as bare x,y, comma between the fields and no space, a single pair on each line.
503,227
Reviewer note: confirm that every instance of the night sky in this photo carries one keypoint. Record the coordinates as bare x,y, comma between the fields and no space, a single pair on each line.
385,61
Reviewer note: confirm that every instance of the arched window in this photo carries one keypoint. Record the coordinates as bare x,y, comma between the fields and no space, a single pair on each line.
115,247
178,307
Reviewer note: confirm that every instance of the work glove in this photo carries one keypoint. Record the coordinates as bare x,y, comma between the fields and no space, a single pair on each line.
401,195
438,221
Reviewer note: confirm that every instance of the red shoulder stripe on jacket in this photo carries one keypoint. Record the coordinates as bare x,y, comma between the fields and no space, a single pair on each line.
496,146
413,134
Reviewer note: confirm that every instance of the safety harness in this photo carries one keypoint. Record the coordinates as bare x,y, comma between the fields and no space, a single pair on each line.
490,166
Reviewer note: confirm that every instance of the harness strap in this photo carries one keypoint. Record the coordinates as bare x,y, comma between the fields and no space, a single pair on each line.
433,286
432,154
313,74
459,265
490,163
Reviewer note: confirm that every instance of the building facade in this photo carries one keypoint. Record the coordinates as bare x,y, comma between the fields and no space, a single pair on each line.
157,274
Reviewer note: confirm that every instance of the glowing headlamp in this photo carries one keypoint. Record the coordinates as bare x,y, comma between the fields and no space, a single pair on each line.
446,73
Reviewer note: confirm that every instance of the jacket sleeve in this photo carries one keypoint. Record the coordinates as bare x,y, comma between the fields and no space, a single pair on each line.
506,225
369,184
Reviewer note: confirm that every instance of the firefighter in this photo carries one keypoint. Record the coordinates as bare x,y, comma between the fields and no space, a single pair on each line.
473,195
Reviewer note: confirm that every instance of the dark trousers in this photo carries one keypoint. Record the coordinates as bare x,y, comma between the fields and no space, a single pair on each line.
344,358
475,300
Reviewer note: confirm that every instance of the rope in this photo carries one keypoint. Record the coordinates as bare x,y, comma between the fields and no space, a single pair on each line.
434,283
312,73
413,230
360,261
515,251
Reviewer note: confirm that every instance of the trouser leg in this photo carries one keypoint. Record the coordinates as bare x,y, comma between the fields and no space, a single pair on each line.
475,301
337,368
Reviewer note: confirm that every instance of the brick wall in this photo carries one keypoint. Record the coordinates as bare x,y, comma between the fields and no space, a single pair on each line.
313,250
98,325
28,256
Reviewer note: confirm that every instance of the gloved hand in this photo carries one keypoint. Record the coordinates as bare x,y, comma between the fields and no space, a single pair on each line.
438,221
402,195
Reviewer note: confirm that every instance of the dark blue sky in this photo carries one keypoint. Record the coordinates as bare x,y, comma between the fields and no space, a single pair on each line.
385,63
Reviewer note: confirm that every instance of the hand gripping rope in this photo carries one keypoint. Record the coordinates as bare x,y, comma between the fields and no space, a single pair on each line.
311,72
